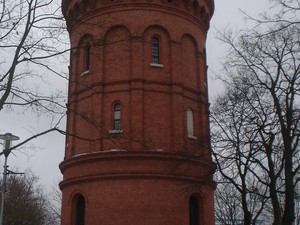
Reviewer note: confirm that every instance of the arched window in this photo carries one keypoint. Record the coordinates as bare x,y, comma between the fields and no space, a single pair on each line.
190,123
155,50
87,57
117,116
79,210
85,53
194,210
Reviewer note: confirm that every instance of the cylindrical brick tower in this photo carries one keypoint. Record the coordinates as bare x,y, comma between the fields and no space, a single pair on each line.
138,145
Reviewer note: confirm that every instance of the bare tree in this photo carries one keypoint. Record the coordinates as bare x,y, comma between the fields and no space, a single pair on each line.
228,204
31,34
56,199
256,126
33,59
234,151
27,203
285,12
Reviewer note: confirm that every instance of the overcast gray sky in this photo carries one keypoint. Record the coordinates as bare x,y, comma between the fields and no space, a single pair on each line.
49,150
228,14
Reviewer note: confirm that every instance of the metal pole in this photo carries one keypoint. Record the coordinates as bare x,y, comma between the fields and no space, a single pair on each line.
8,138
3,190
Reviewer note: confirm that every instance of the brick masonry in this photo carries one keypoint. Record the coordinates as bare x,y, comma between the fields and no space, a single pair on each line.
146,172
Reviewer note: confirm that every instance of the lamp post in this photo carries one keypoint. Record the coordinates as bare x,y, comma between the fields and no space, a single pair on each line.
8,138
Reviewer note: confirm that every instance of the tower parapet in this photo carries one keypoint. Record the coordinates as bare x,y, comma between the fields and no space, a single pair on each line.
199,10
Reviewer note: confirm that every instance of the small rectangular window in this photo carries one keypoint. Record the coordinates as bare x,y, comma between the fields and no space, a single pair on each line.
117,116
117,124
190,123
87,57
155,50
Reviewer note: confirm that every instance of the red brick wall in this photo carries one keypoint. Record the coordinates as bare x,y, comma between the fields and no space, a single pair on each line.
146,173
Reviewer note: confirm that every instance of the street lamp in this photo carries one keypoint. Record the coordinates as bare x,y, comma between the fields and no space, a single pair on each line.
8,138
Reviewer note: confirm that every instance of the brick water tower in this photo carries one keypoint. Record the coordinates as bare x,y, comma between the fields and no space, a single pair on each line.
138,145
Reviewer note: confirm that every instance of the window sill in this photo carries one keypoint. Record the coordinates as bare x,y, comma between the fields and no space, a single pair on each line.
157,65
85,73
192,137
115,131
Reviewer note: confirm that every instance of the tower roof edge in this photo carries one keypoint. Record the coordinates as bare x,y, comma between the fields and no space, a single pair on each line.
75,6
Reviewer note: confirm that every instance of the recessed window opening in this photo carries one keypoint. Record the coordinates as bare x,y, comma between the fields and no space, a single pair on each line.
194,211
117,116
80,210
190,123
87,57
155,50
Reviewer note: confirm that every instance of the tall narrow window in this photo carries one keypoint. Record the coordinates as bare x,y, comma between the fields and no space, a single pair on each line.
190,123
155,50
87,54
194,210
79,210
117,116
